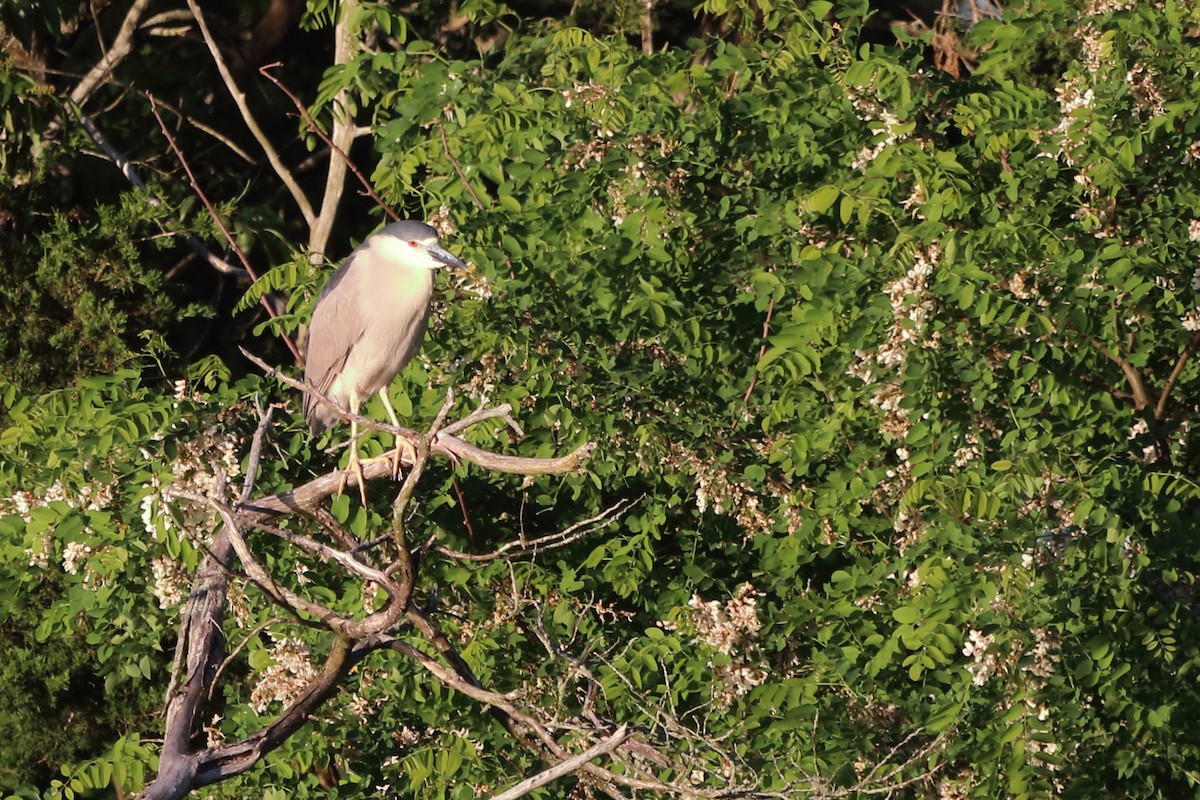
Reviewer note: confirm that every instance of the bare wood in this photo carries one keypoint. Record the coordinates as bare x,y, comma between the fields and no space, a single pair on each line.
603,747
239,99
343,135
225,761
551,541
648,27
338,151
122,45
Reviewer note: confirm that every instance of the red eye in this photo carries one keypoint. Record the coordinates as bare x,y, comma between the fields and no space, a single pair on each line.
411,243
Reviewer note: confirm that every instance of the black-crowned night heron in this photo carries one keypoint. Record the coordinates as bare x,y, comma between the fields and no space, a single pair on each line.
369,321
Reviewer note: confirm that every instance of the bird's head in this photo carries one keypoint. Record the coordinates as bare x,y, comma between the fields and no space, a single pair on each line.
414,245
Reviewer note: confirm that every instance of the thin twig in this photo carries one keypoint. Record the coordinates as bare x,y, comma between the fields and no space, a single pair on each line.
264,301
458,169
237,650
312,126
239,99
256,447
551,541
762,349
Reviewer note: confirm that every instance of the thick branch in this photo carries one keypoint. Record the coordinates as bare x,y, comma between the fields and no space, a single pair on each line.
1137,387
122,45
343,135
1180,363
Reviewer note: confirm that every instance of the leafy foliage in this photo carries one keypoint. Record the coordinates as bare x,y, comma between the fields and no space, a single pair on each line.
939,519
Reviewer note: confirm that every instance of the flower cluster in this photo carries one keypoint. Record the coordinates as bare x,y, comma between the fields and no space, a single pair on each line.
90,497
716,492
912,308
731,629
288,675
170,581
877,117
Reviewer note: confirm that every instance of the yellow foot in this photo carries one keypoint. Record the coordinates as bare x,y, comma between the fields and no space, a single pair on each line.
355,468
404,451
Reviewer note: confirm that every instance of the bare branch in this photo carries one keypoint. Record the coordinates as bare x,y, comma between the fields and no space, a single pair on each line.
340,151
239,99
1180,363
122,45
256,446
552,541
343,135
566,767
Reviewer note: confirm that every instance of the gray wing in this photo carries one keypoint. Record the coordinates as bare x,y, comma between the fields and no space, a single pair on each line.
337,324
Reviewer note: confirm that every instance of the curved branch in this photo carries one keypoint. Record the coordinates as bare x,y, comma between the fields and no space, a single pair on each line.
1180,363
226,761
1137,387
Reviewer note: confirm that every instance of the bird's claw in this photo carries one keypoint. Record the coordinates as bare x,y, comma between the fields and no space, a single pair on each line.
355,468
403,450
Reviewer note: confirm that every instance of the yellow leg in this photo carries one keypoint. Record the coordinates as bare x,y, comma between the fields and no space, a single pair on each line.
403,446
355,465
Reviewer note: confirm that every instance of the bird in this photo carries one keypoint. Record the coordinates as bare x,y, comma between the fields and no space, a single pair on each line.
368,323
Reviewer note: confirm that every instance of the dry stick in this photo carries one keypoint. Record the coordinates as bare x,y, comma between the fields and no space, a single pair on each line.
239,99
237,651
315,128
464,675
458,169
762,349
565,767
551,541
121,47
371,625
256,447
212,212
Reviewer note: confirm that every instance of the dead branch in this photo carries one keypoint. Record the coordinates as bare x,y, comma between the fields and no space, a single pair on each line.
239,99
565,767
121,46
551,541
